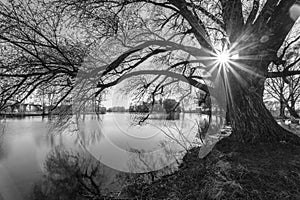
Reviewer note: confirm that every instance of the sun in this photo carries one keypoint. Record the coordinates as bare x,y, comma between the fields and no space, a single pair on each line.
223,57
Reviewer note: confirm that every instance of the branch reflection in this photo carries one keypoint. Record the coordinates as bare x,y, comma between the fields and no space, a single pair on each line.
73,176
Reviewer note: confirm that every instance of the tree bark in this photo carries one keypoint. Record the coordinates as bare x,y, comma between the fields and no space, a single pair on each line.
282,108
251,121
249,118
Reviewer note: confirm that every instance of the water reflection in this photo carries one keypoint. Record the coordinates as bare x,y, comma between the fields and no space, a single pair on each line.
2,149
52,153
122,138
71,176
78,175
81,130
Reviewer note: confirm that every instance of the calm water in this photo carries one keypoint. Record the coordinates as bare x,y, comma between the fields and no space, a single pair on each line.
41,156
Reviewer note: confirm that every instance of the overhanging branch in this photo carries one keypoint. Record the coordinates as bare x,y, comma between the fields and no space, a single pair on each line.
180,77
283,74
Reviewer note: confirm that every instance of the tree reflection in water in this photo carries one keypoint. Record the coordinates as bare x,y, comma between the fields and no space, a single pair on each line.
85,131
76,176
71,176
3,152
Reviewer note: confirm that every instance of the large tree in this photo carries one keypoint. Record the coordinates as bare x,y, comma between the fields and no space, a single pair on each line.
286,89
216,46
186,36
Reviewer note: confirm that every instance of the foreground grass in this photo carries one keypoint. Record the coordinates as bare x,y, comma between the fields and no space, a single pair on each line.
252,172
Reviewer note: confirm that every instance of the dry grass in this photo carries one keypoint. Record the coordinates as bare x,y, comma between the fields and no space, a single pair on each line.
253,172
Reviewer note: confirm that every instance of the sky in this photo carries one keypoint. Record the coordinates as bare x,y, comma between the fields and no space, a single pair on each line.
116,98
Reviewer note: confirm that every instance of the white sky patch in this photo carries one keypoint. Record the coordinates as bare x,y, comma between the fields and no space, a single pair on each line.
116,98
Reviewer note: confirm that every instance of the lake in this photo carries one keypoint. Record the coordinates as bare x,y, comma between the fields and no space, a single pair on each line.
40,156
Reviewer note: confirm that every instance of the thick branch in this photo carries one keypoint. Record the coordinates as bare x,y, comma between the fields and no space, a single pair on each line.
208,14
197,29
233,18
189,80
253,12
283,74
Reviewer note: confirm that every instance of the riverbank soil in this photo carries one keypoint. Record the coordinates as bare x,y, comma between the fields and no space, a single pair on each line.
261,171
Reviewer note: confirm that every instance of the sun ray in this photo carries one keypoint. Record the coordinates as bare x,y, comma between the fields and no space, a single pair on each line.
243,67
227,63
228,90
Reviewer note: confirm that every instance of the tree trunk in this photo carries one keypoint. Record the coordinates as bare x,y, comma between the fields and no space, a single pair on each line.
282,109
227,116
251,121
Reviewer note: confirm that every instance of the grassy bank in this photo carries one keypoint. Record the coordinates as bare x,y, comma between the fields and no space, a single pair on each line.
253,172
